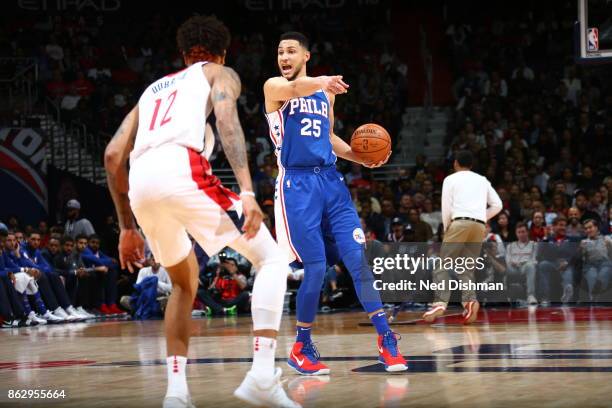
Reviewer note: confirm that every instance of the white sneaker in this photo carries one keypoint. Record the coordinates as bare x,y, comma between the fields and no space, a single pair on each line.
532,300
176,402
51,318
568,292
268,392
85,312
60,312
72,312
34,318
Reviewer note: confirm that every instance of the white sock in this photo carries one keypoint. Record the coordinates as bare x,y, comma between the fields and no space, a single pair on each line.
177,378
264,350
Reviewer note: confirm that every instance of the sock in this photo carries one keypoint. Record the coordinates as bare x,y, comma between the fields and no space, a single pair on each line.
264,350
379,320
40,305
26,304
303,334
177,378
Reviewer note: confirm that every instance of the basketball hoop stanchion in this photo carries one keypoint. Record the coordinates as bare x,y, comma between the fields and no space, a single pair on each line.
588,49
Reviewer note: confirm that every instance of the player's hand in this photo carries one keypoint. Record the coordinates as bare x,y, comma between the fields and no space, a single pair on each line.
334,84
378,164
12,278
131,249
252,216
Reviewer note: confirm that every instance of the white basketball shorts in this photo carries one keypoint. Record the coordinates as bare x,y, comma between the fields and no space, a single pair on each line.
172,194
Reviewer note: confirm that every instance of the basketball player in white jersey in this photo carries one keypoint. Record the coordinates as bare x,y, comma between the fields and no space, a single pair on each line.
172,192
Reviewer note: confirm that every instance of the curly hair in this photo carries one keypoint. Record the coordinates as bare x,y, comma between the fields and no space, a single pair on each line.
203,32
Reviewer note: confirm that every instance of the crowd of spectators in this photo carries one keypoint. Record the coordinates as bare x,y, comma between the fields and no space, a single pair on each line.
536,123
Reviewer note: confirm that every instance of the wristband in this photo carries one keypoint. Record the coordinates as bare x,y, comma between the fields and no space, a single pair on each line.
247,193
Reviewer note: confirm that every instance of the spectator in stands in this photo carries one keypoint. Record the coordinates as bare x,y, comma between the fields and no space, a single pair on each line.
422,230
56,88
374,220
557,253
70,103
575,228
227,292
75,225
598,206
582,203
107,271
597,259
502,227
45,234
521,262
558,208
388,213
431,216
164,284
493,237
374,248
405,206
397,231
154,268
537,230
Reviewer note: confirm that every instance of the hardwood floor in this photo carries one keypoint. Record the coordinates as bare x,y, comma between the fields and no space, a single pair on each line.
559,357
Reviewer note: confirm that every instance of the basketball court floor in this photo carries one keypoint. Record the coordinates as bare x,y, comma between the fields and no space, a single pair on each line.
554,357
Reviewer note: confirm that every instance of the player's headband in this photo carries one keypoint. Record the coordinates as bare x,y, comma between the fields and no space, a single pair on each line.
200,53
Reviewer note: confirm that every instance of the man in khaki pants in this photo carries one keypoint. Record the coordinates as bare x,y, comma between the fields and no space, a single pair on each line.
468,202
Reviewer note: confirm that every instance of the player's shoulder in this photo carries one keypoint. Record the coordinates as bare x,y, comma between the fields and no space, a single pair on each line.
275,81
213,70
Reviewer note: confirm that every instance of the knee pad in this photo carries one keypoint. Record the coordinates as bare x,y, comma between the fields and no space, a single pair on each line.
269,293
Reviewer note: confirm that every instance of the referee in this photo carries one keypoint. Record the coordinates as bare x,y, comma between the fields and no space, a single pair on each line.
468,201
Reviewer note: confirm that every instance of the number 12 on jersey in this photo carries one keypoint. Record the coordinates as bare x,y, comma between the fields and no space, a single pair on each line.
166,118
308,124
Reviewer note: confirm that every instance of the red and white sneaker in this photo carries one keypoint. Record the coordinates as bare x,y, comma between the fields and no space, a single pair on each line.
105,310
114,309
470,311
304,359
389,354
434,312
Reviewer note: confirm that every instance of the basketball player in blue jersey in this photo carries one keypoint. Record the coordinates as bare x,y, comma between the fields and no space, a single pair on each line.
312,200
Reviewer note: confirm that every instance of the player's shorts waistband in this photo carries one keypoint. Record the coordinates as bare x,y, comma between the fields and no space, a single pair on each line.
309,170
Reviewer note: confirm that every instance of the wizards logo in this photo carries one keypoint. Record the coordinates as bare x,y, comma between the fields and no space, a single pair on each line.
23,172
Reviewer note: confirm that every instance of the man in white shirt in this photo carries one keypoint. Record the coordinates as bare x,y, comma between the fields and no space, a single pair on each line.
164,285
468,202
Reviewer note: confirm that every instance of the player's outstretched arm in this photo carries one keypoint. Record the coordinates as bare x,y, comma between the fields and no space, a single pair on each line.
224,94
279,89
131,243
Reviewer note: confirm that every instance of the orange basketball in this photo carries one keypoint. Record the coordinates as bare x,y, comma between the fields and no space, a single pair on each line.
371,143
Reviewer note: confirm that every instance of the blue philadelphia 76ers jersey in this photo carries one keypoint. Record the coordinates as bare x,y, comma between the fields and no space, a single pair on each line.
300,132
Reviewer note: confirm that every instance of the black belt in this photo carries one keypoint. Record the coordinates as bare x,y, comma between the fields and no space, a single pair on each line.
469,219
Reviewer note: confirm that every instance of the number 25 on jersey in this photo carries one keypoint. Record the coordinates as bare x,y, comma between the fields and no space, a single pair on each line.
310,127
166,118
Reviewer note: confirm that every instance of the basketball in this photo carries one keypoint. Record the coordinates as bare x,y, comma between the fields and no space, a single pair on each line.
371,142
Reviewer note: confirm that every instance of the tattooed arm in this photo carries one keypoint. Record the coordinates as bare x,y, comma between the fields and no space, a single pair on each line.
225,90
223,95
131,243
